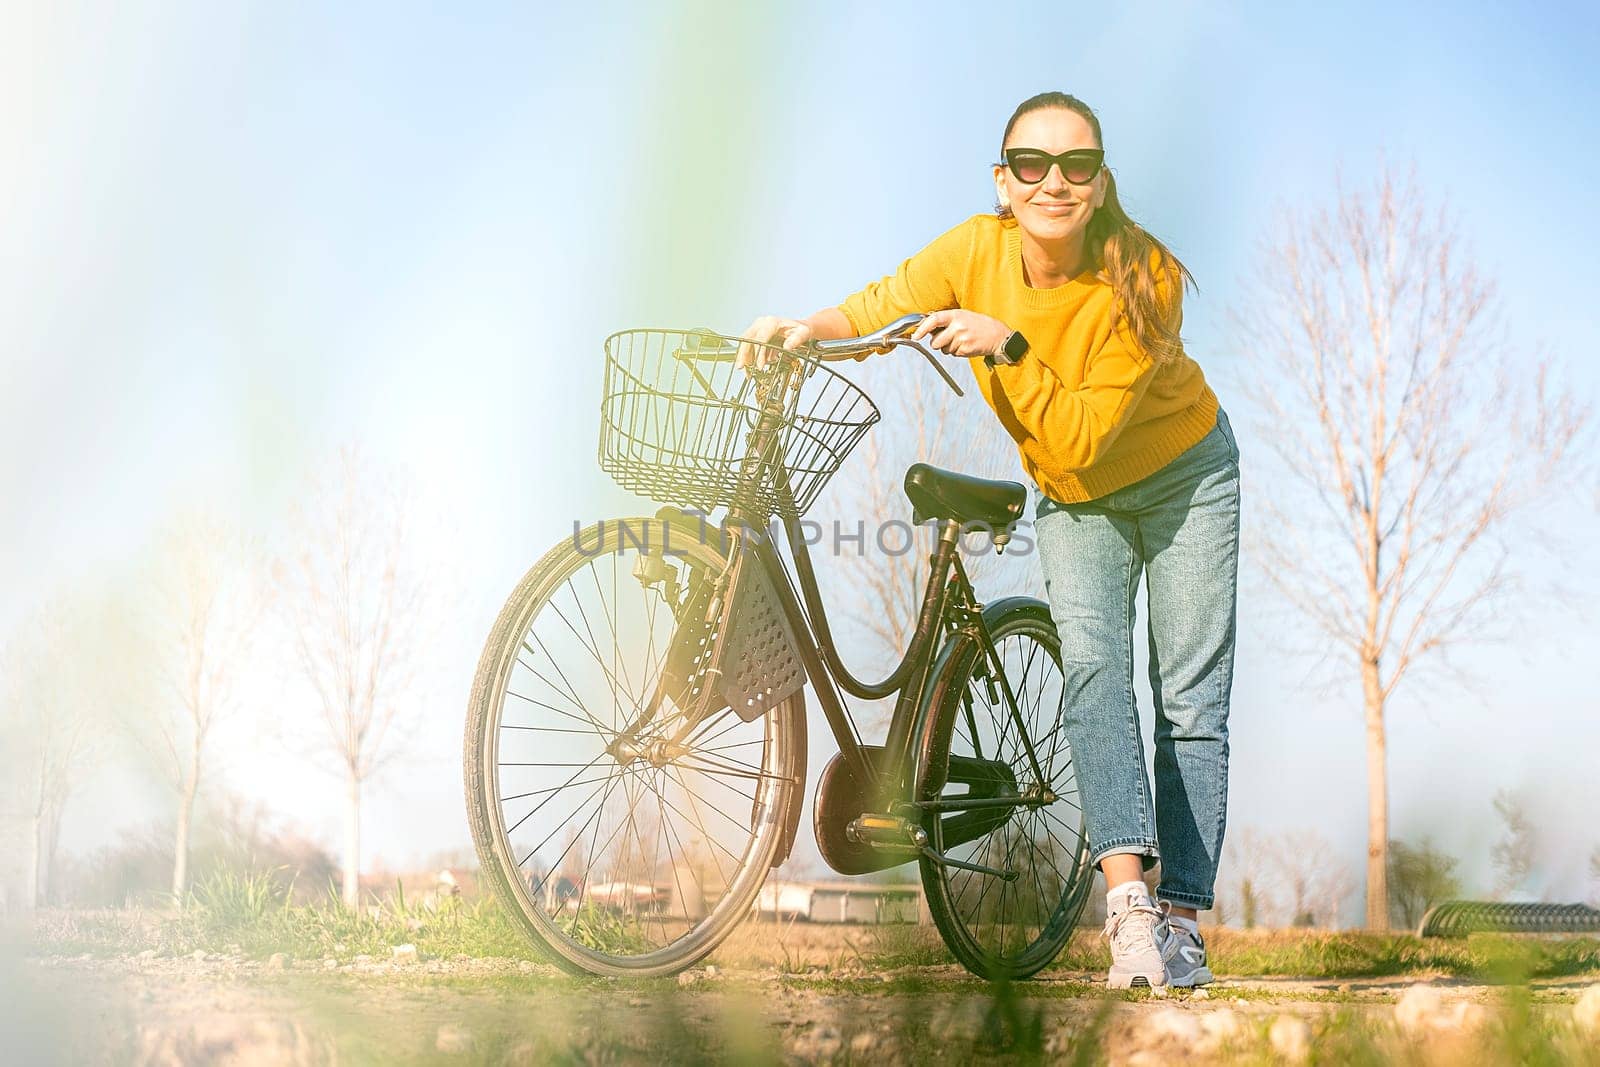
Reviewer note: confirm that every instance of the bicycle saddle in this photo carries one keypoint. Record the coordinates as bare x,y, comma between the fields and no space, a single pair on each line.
942,494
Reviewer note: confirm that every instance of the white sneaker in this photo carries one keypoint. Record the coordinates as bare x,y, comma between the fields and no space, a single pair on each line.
1185,954
1137,931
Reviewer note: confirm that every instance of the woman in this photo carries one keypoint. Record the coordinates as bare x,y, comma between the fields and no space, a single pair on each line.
1069,313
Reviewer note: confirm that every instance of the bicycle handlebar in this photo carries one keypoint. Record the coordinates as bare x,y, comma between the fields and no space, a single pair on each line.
895,334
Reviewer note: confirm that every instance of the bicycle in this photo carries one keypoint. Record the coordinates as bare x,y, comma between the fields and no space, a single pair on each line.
635,763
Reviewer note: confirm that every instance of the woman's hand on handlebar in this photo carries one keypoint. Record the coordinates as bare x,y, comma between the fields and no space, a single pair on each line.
962,333
788,333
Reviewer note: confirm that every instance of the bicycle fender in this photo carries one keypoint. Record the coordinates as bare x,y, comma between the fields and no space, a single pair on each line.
1006,605
939,678
693,524
689,525
993,614
791,825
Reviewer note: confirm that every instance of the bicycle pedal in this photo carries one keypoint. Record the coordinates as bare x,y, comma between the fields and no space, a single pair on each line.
886,831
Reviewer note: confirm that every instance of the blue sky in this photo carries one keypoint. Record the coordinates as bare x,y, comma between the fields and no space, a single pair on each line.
241,235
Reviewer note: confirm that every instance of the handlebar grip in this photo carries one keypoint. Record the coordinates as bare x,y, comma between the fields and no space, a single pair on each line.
876,341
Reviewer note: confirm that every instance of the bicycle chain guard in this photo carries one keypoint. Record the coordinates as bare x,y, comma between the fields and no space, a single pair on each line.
743,656
842,798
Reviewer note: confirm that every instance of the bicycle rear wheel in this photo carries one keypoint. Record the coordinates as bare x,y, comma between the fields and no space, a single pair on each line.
971,747
618,850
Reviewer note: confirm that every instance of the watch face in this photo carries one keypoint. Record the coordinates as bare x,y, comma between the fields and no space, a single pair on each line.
1016,345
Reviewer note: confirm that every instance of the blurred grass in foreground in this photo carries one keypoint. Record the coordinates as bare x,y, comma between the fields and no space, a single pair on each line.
864,994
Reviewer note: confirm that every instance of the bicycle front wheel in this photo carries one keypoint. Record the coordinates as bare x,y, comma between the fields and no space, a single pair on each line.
621,843
1013,918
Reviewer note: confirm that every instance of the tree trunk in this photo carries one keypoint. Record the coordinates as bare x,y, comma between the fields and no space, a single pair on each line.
352,844
1377,802
180,845
51,824
35,840
35,854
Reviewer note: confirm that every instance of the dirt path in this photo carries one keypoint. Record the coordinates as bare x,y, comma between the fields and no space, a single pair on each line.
220,1009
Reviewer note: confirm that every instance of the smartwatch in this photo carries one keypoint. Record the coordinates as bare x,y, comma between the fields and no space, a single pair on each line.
1011,353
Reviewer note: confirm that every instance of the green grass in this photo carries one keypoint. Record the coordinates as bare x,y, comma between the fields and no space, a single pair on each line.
249,915
246,914
1335,955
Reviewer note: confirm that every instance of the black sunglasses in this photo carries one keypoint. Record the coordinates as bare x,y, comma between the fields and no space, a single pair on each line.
1078,167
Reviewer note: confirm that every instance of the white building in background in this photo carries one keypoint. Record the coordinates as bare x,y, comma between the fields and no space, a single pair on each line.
842,902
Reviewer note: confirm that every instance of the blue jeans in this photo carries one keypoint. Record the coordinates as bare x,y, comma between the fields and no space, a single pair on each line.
1180,526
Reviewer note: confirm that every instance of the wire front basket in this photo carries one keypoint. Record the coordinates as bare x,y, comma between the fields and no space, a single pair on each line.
679,423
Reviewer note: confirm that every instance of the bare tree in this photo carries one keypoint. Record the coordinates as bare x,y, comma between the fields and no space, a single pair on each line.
1248,892
1408,441
1594,877
356,597
1312,880
1512,855
1420,876
49,723
1283,878
209,605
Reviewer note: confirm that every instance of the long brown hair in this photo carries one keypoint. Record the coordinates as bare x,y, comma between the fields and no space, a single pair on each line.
1147,278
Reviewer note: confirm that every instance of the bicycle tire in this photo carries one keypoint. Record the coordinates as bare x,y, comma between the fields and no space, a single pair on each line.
955,897
774,799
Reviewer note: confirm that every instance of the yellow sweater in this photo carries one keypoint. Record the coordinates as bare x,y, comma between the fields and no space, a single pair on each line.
1089,410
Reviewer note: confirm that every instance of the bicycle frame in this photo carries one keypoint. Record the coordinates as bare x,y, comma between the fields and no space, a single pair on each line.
949,606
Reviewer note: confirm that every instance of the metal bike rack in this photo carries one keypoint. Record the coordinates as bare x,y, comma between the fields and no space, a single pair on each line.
1457,918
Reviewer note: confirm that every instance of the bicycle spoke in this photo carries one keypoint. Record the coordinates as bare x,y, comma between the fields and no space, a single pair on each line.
576,701
694,875
552,789
549,707
699,822
711,767
594,854
552,796
723,782
616,685
610,784
697,738
741,744
696,796
1064,826
655,862
547,730
611,622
